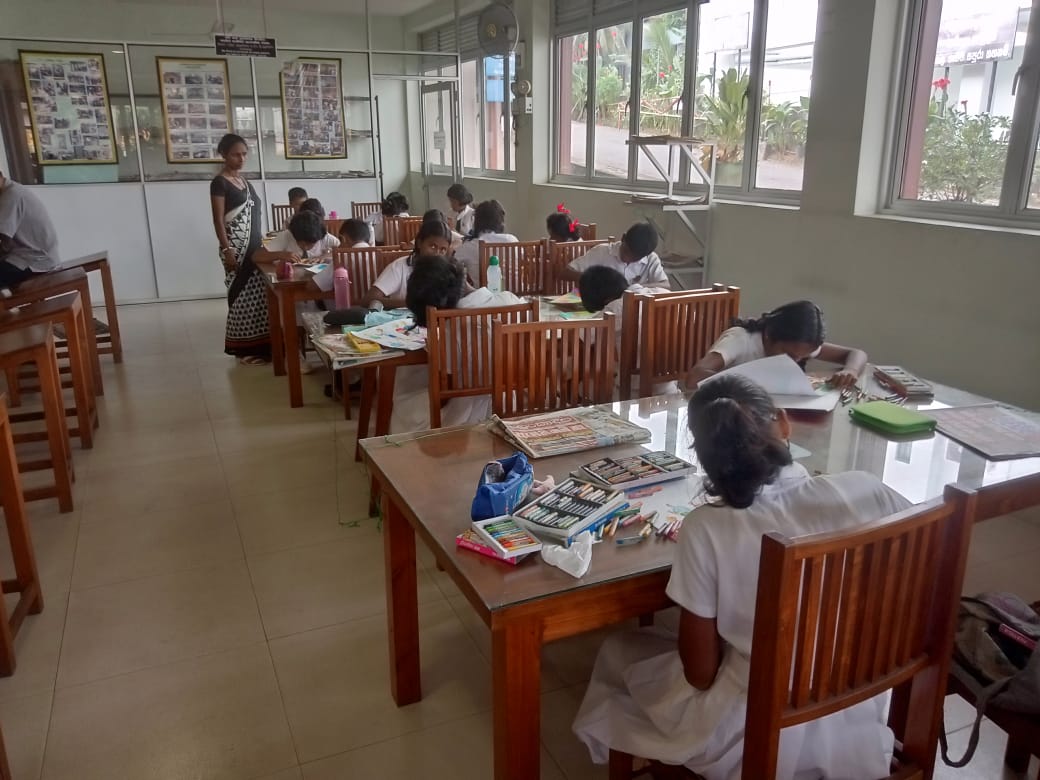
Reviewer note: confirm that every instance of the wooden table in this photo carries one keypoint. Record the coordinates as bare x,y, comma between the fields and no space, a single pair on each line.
98,261
282,297
534,603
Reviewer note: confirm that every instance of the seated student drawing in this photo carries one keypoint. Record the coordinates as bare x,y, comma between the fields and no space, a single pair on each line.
461,201
633,256
489,225
436,215
682,698
306,241
354,233
297,195
795,329
389,288
393,205
440,282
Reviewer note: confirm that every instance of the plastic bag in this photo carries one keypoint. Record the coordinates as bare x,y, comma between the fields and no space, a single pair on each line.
503,486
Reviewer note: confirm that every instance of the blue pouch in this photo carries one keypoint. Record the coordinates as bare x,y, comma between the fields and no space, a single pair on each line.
503,486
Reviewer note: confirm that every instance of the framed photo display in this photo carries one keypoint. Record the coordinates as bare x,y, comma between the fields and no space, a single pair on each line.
196,105
312,110
68,107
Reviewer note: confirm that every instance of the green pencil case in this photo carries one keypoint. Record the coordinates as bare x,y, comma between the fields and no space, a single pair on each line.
891,419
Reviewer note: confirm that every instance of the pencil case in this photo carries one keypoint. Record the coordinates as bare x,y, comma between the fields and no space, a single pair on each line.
891,419
362,345
503,486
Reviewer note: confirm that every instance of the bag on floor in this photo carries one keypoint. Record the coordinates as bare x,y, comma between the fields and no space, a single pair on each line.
995,657
503,486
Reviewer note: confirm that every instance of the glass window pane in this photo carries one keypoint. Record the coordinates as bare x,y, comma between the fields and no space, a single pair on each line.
662,77
790,34
723,60
471,135
495,84
612,95
961,107
573,70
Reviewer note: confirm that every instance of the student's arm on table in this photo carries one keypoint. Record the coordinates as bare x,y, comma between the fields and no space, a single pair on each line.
707,366
853,361
569,274
700,649
375,294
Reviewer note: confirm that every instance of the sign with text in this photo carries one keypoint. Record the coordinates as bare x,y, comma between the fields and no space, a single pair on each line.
244,46
971,32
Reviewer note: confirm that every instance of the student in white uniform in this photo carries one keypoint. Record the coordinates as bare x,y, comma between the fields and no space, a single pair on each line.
306,241
489,225
441,282
354,233
391,286
461,201
795,329
394,205
436,215
561,226
683,699
633,255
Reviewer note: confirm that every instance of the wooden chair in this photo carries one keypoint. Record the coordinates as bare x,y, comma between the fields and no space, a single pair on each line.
400,231
26,580
561,253
843,617
360,209
333,225
458,343
663,335
280,216
587,232
389,254
111,342
363,266
545,366
1023,731
523,263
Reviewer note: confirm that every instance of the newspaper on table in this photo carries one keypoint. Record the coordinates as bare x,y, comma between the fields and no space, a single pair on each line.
570,430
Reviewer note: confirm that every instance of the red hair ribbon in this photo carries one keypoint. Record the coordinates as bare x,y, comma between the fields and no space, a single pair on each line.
562,209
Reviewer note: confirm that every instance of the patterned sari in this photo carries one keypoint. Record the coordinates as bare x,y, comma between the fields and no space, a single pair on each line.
247,331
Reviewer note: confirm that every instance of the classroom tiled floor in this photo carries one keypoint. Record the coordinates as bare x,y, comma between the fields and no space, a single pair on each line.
215,604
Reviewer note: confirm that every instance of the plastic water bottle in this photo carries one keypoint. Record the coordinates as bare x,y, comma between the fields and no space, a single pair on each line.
341,286
332,215
494,275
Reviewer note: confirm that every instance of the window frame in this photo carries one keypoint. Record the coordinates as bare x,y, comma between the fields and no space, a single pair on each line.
1012,210
636,13
508,173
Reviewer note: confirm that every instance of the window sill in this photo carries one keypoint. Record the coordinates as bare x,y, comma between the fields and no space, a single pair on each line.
1007,228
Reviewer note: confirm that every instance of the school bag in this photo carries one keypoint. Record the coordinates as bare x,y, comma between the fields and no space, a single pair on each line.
993,659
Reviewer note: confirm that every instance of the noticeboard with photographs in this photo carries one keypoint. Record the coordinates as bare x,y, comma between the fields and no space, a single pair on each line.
312,109
68,107
196,104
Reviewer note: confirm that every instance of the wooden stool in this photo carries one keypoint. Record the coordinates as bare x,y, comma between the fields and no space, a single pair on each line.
35,344
110,343
67,311
26,580
39,287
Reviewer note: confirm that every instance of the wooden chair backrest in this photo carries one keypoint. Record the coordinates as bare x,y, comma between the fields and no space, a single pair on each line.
458,343
363,266
663,335
280,216
587,232
390,254
843,617
545,366
360,209
561,253
333,225
400,230
523,265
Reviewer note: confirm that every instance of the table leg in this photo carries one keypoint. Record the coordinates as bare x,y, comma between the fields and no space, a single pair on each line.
368,391
274,322
88,316
516,660
402,605
292,350
111,312
385,403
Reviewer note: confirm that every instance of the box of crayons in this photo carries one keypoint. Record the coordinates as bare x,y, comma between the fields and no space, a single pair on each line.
570,508
637,470
506,537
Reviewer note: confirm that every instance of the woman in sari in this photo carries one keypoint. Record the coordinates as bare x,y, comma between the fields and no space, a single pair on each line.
236,220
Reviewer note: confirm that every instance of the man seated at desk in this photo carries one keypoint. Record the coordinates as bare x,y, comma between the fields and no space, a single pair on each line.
28,241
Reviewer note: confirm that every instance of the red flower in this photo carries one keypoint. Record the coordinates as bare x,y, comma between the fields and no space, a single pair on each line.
942,83
661,74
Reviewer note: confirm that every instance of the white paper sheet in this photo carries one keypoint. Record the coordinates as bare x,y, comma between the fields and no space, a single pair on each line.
785,382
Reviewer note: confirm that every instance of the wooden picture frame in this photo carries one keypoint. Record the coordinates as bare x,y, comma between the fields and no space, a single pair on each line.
69,107
196,106
313,121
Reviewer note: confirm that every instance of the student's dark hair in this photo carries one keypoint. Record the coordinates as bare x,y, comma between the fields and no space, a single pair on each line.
641,239
460,194
598,285
800,321
355,229
313,205
562,227
732,422
430,229
393,204
434,215
434,281
295,193
488,217
307,226
228,142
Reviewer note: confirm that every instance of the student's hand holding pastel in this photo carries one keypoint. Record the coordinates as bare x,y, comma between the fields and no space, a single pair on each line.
842,379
